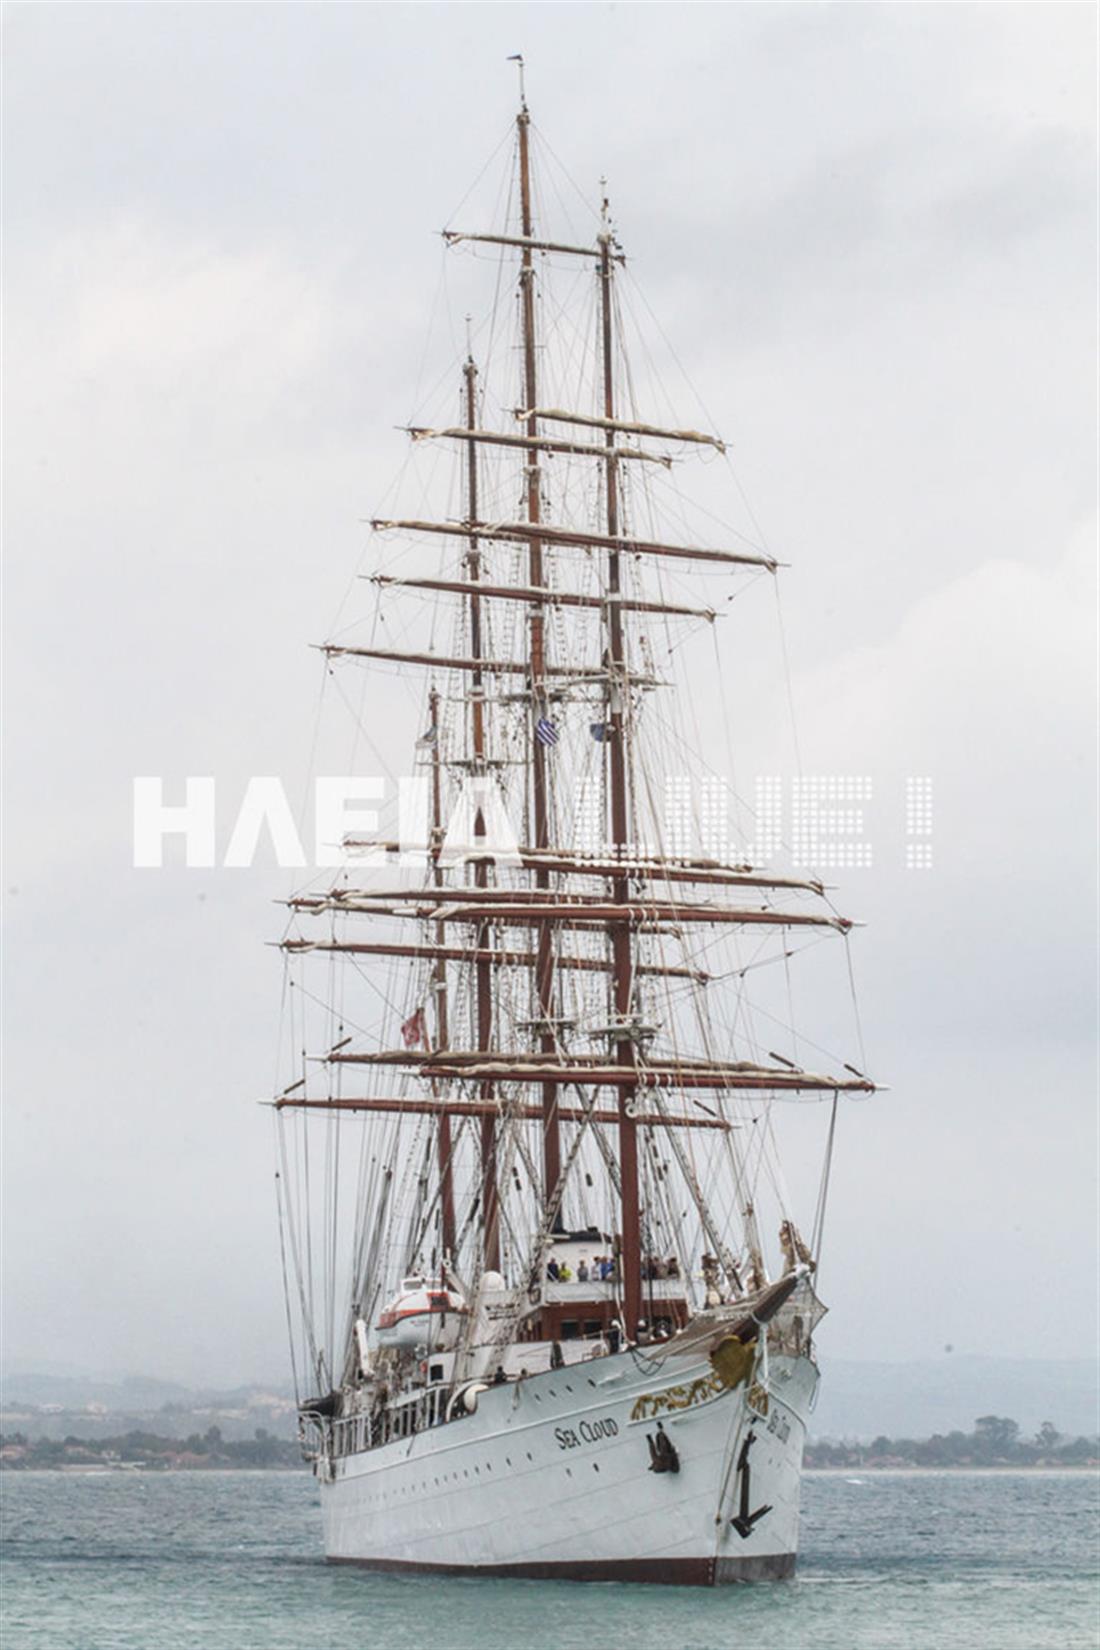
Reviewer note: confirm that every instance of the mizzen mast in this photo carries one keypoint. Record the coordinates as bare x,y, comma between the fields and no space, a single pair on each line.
483,974
444,1142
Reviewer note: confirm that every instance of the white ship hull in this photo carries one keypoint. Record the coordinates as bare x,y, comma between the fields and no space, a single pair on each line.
551,1478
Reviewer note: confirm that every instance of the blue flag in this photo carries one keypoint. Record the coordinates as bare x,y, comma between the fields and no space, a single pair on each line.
546,732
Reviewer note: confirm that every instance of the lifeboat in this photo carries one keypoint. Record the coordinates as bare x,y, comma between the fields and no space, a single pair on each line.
422,1314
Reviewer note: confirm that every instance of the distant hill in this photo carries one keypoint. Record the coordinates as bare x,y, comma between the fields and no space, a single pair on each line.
949,1392
75,1390
43,1404
78,1387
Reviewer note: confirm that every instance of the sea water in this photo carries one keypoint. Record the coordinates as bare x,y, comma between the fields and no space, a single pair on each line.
232,1561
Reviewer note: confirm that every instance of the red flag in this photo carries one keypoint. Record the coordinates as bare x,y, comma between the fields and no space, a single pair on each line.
414,1030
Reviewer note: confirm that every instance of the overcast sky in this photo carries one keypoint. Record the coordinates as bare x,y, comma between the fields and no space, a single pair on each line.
870,233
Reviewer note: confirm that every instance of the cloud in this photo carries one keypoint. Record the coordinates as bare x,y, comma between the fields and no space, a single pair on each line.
989,687
995,663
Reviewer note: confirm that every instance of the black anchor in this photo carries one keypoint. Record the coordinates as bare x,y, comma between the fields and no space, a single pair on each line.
745,1520
663,1454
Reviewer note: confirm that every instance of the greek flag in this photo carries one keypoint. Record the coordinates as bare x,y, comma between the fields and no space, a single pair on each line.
546,732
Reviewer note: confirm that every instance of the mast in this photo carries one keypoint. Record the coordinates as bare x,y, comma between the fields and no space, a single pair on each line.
444,1143
621,946
544,956
483,974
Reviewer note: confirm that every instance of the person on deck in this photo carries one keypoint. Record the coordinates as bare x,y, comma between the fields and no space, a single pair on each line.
582,1270
552,1269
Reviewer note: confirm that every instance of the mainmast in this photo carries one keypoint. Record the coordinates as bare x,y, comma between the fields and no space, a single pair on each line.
544,954
615,740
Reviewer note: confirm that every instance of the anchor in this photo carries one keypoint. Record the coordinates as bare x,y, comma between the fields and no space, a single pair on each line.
663,1454
745,1519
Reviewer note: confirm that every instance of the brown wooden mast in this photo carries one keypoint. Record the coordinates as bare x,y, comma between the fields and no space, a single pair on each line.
544,962
444,1143
483,981
622,950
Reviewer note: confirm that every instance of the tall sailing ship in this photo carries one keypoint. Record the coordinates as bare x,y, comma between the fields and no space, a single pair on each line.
552,1311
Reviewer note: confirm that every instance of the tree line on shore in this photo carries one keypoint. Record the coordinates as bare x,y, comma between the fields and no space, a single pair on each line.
995,1441
149,1449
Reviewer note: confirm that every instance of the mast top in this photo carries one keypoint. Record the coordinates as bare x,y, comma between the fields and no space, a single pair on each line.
517,57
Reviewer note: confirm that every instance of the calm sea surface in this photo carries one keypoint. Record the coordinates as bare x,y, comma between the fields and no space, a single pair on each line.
918,1561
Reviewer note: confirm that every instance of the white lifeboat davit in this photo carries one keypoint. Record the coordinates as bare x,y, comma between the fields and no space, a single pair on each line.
423,1313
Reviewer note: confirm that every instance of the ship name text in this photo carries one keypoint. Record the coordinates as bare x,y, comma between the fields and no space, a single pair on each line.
588,1432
